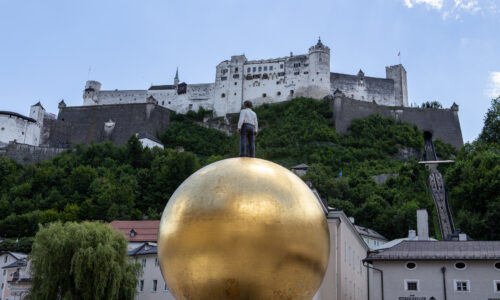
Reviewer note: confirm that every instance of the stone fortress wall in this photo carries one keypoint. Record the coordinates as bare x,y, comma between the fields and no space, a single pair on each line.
22,129
442,124
263,81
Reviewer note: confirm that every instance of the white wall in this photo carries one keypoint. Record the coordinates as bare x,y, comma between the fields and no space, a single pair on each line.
481,276
19,129
151,271
346,277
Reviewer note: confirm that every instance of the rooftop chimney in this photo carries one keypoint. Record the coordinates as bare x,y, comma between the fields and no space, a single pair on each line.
422,225
462,237
411,234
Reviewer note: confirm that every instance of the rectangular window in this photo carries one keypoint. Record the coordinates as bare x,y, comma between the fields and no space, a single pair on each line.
270,68
281,74
265,68
260,69
306,72
248,70
411,285
165,288
5,259
236,76
141,285
254,69
156,261
143,262
223,78
281,66
296,73
235,69
155,285
462,286
224,71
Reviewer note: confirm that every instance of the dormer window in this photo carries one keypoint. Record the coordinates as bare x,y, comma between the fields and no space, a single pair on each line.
132,233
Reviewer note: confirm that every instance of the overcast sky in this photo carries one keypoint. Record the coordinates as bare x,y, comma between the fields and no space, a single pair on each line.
450,48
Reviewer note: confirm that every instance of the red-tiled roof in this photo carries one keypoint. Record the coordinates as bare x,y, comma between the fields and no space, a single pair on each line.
145,231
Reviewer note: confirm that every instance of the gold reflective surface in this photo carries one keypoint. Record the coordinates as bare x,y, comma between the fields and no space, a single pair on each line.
243,228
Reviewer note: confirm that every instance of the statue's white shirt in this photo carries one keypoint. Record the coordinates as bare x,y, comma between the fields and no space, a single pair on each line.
248,116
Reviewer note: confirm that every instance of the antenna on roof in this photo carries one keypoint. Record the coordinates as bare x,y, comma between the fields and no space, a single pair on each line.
88,76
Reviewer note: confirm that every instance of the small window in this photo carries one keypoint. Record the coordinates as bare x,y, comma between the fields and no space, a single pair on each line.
235,83
168,102
143,262
156,262
165,288
281,66
236,76
278,93
270,68
264,95
190,106
155,285
254,69
260,69
248,69
411,285
460,265
306,72
265,68
296,73
224,71
497,265
141,285
291,92
163,103
235,69
3,128
411,265
235,94
223,95
223,78
22,133
5,260
462,286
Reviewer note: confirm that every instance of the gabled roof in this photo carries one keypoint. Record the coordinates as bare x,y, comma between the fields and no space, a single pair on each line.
301,166
146,135
16,255
162,87
16,264
144,249
143,231
14,114
439,250
369,232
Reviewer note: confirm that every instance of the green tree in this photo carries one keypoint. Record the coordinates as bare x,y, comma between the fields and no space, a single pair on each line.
491,129
81,261
432,104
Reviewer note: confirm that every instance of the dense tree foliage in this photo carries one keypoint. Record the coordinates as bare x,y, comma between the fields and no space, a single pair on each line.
491,130
106,182
96,182
85,260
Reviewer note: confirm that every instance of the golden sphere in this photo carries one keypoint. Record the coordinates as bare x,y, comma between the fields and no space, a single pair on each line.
243,228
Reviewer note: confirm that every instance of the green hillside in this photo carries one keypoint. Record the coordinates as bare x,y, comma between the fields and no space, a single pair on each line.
107,182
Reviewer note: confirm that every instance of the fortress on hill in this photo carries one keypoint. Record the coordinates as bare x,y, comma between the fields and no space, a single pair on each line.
262,81
116,115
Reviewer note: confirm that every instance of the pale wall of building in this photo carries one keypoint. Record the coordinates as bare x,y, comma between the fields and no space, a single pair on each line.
481,276
346,277
151,271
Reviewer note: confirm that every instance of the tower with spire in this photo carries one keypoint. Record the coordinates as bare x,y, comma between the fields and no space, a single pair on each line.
176,78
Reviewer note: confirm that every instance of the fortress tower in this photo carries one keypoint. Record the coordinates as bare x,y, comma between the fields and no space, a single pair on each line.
398,74
90,94
319,71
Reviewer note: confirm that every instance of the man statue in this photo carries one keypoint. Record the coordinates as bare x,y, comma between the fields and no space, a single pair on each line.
247,128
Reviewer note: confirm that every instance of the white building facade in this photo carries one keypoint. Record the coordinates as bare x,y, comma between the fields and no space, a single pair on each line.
17,128
263,81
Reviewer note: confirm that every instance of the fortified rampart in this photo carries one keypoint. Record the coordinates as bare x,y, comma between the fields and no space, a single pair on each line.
115,123
443,124
29,154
